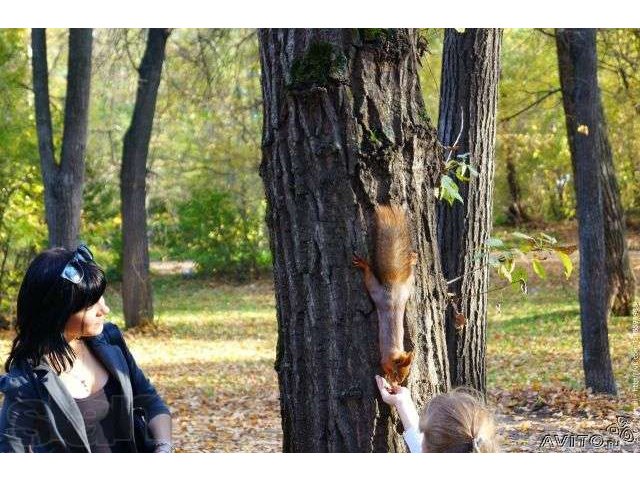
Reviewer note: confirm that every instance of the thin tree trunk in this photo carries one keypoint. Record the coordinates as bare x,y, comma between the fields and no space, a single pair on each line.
63,181
515,212
578,77
345,129
137,297
621,281
469,91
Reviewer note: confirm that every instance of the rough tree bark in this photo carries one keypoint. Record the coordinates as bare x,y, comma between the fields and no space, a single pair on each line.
469,91
578,77
621,280
63,181
137,298
345,129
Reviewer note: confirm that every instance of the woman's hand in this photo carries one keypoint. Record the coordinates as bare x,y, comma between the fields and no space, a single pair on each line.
400,398
160,427
163,447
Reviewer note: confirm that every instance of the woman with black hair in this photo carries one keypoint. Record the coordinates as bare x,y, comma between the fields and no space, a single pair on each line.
72,384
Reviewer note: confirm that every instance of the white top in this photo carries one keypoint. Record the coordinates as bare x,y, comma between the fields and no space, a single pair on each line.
413,437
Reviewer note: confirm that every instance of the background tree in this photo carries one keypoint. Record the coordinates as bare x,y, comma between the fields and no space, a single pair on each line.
345,128
137,297
533,178
621,280
577,62
468,107
205,201
63,181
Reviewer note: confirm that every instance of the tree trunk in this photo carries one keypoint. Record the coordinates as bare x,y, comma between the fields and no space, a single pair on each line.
469,91
578,77
137,298
345,129
621,280
622,283
64,181
516,213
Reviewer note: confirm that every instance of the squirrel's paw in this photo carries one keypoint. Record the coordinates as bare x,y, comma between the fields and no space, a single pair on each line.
359,262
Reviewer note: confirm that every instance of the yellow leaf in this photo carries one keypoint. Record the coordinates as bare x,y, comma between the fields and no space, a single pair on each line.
566,262
583,129
524,426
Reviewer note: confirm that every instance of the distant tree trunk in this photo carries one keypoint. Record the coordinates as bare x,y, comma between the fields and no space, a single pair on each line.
621,282
63,181
469,90
137,298
516,213
578,77
345,128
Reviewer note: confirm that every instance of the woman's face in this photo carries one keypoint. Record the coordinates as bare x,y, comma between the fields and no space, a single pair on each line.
87,323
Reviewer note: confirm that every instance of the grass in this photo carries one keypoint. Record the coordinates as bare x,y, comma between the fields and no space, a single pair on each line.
535,340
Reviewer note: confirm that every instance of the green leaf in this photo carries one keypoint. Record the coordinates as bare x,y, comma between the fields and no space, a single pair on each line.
460,172
505,272
450,164
549,238
538,268
566,262
519,274
449,190
506,269
494,261
522,236
495,243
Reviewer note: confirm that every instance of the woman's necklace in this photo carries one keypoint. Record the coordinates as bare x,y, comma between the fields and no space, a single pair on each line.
77,377
82,381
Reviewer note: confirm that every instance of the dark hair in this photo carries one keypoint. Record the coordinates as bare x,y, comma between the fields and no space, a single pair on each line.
45,303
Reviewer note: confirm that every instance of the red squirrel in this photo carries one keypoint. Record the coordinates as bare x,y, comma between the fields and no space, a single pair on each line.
390,283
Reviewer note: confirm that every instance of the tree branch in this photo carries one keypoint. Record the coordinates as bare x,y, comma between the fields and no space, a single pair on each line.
530,106
76,108
41,100
544,32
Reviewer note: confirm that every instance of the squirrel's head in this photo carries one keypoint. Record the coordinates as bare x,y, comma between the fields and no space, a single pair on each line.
398,369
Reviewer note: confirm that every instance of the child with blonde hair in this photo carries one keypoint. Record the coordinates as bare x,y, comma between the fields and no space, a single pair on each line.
457,421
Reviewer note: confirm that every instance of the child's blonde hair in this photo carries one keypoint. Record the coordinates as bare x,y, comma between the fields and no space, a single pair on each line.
458,421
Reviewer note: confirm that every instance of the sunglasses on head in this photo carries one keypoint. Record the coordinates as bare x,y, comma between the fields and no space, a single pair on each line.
73,271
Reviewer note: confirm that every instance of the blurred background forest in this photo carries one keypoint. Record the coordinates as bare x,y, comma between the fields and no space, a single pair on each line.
206,207
205,199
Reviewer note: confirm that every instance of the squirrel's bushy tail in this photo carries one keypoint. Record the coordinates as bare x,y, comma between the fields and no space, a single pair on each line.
393,245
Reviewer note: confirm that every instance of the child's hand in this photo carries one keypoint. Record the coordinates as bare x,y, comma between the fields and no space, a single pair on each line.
399,397
392,395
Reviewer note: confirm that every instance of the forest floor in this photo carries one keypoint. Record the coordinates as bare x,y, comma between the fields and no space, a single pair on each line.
534,363
212,357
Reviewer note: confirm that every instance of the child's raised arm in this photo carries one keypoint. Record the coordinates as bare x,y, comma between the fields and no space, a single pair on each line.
407,412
